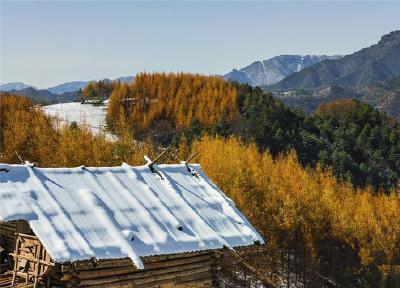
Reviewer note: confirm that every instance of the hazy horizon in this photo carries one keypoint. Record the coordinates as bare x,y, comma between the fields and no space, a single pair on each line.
48,43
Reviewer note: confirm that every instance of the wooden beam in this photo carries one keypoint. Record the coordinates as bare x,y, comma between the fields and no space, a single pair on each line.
149,276
32,259
28,236
7,228
157,258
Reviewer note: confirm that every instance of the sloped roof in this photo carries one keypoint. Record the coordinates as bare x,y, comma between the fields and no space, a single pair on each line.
124,211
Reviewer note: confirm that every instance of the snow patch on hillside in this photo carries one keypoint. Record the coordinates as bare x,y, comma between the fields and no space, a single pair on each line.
92,116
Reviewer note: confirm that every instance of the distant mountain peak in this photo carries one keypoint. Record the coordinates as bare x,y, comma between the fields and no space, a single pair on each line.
17,86
270,71
393,36
76,85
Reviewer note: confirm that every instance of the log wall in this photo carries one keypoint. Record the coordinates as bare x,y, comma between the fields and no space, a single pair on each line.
197,269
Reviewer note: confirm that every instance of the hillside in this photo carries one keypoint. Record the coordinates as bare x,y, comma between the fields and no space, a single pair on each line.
92,116
307,215
378,62
384,96
166,107
270,71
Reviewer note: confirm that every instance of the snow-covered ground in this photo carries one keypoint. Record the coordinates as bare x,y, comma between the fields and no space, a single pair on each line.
83,114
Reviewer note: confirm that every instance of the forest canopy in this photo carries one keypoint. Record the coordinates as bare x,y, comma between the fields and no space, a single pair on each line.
173,101
357,141
350,234
98,90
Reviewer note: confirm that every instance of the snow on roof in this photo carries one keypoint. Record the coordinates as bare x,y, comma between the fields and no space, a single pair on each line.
124,211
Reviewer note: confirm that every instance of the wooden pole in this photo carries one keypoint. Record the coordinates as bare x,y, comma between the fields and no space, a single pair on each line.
190,158
159,156
15,261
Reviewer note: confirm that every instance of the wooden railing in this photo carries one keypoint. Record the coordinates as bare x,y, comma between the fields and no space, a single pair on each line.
252,266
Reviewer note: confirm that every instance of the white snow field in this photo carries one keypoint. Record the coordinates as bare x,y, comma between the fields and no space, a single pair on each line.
83,114
124,211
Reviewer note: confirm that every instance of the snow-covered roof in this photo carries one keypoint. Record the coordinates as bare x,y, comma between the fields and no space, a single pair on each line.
125,211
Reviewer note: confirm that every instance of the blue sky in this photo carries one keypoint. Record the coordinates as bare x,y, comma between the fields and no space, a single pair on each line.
51,42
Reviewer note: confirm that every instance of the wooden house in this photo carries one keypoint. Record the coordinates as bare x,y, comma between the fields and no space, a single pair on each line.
125,226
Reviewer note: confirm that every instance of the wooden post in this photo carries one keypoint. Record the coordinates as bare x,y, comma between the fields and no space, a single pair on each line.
159,156
38,250
15,261
190,158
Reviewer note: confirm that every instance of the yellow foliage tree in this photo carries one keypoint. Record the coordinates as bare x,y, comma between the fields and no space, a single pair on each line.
177,97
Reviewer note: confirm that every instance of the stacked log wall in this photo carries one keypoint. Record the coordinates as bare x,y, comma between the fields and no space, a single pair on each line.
197,269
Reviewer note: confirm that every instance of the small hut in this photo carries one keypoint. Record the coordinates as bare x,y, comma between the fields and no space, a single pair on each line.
144,226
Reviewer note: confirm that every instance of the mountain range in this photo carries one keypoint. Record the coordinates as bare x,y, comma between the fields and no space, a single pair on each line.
61,88
267,72
44,96
376,63
371,74
76,85
14,86
63,93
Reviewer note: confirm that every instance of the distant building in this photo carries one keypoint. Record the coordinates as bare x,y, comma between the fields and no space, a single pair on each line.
289,93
